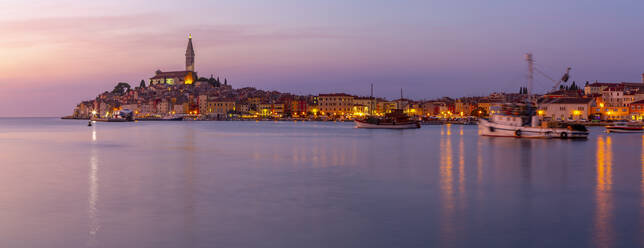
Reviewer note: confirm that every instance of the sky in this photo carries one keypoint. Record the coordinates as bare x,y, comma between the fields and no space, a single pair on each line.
54,54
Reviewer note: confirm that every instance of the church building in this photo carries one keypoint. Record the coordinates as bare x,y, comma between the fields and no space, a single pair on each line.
178,77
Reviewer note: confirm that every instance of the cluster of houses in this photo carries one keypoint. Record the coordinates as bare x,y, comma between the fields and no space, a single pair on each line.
203,98
185,93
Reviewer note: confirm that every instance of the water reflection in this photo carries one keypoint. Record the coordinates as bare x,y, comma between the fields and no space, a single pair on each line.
94,224
642,194
604,206
479,161
461,165
93,134
446,184
189,188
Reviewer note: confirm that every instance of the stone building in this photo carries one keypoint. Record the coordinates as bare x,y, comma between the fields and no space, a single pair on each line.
178,77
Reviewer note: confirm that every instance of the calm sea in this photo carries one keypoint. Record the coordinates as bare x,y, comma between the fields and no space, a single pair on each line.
308,184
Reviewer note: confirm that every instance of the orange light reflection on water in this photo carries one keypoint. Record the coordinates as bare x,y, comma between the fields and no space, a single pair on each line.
604,205
446,184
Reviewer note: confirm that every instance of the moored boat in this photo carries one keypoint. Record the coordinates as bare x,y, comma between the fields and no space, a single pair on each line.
521,120
529,126
624,127
394,120
172,118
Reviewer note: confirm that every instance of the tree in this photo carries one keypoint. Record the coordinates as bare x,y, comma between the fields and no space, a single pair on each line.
573,86
142,85
121,88
214,82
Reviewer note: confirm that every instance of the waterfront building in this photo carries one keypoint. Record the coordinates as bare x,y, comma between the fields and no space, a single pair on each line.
299,107
180,108
243,107
163,106
414,109
146,109
335,104
254,103
489,105
84,109
463,108
188,76
431,108
220,108
364,104
565,108
636,110
271,109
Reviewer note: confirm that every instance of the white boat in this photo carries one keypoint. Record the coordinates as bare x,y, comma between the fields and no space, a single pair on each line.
526,126
624,127
521,121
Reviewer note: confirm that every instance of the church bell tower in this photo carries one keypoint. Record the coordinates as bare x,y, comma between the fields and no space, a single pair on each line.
190,56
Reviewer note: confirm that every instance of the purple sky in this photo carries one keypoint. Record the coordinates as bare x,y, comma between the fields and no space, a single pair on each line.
57,54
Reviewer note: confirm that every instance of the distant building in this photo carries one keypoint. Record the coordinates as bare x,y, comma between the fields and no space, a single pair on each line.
220,108
637,110
565,109
335,104
178,77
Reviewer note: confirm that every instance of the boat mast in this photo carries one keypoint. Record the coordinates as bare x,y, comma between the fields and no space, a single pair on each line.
530,60
371,101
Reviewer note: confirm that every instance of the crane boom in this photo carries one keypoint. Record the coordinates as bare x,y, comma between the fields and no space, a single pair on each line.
564,78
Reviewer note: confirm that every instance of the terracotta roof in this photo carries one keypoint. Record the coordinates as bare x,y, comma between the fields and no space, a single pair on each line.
616,88
572,93
638,102
171,74
569,100
335,94
597,84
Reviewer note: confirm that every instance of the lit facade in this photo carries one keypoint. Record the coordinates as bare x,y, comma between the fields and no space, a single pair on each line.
335,104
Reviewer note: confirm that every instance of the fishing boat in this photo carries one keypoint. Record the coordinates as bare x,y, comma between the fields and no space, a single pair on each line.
524,123
520,120
625,127
394,120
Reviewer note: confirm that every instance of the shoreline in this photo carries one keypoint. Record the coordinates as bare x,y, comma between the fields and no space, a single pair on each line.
318,120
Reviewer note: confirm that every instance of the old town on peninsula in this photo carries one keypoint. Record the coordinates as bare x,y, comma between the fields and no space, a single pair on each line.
185,95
